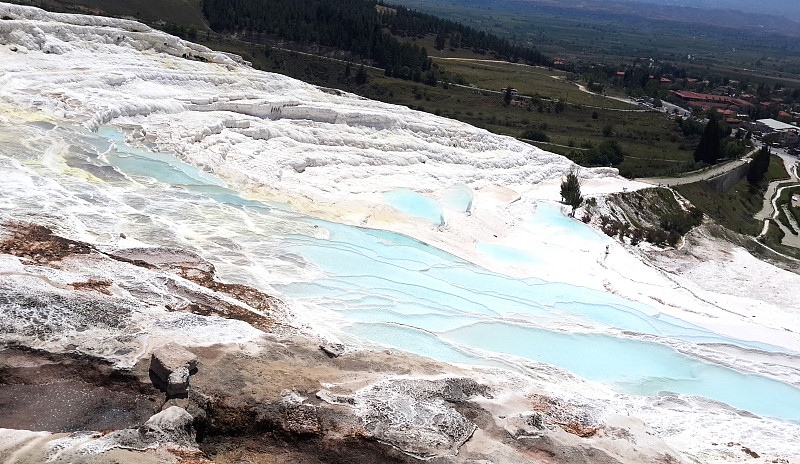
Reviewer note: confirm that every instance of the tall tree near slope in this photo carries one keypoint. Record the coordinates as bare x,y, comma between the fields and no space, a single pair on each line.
709,150
759,166
571,191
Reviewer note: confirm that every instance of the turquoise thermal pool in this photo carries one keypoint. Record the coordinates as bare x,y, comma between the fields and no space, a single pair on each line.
415,204
393,290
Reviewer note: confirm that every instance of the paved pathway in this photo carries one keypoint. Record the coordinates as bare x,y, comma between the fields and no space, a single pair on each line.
769,210
697,176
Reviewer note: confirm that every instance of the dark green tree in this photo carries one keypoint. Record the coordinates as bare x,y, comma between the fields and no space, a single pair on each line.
759,166
607,153
507,95
361,75
571,191
439,41
709,150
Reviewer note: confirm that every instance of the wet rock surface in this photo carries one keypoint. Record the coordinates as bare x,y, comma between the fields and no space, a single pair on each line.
103,340
67,393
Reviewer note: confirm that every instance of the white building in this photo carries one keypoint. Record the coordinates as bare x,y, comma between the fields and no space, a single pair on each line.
790,134
771,125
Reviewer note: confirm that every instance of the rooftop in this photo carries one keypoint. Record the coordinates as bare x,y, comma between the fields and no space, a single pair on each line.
776,125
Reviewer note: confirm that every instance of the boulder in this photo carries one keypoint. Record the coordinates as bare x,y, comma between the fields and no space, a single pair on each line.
170,358
178,382
171,428
301,418
333,350
172,425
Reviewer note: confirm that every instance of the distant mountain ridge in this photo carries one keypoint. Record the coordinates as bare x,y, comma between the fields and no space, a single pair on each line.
770,16
782,16
789,9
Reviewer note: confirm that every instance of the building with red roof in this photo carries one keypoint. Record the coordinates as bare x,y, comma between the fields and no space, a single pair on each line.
690,99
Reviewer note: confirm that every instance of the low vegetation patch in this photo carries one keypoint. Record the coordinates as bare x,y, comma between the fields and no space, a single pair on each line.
650,215
776,170
733,209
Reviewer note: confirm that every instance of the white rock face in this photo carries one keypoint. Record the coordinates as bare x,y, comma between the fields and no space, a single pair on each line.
262,129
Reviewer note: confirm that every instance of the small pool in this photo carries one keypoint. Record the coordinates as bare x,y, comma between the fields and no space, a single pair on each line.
415,204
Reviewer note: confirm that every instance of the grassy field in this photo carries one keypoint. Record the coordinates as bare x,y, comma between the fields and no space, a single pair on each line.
528,80
785,198
773,240
733,209
776,170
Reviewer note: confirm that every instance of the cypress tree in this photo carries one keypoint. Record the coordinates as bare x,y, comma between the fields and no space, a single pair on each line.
709,149
759,166
571,191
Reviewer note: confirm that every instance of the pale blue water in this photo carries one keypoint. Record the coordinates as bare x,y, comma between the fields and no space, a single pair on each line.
405,294
507,254
550,215
415,204
458,197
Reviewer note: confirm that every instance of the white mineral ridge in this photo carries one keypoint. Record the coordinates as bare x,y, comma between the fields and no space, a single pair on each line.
260,128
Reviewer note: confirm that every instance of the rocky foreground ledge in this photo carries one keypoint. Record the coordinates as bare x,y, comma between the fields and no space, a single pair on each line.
141,355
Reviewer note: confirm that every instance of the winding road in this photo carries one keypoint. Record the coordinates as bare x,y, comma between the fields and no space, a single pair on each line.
769,210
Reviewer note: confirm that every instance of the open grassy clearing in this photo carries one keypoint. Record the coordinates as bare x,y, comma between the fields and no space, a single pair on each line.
776,170
528,80
785,198
773,240
733,209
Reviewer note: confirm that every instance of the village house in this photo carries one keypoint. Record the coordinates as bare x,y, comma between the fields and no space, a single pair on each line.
688,100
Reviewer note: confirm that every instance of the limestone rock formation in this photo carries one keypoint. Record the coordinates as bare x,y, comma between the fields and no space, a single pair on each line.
172,364
178,382
171,427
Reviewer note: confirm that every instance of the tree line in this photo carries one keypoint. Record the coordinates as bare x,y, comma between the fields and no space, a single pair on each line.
364,27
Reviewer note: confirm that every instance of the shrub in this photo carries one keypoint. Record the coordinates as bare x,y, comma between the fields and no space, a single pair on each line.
535,135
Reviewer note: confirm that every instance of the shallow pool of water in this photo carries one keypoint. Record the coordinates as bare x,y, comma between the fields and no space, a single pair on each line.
415,204
397,291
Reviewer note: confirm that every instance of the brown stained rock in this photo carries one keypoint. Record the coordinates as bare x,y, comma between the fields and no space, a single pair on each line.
750,452
252,297
565,416
302,419
38,243
169,358
194,268
576,428
232,311
98,285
